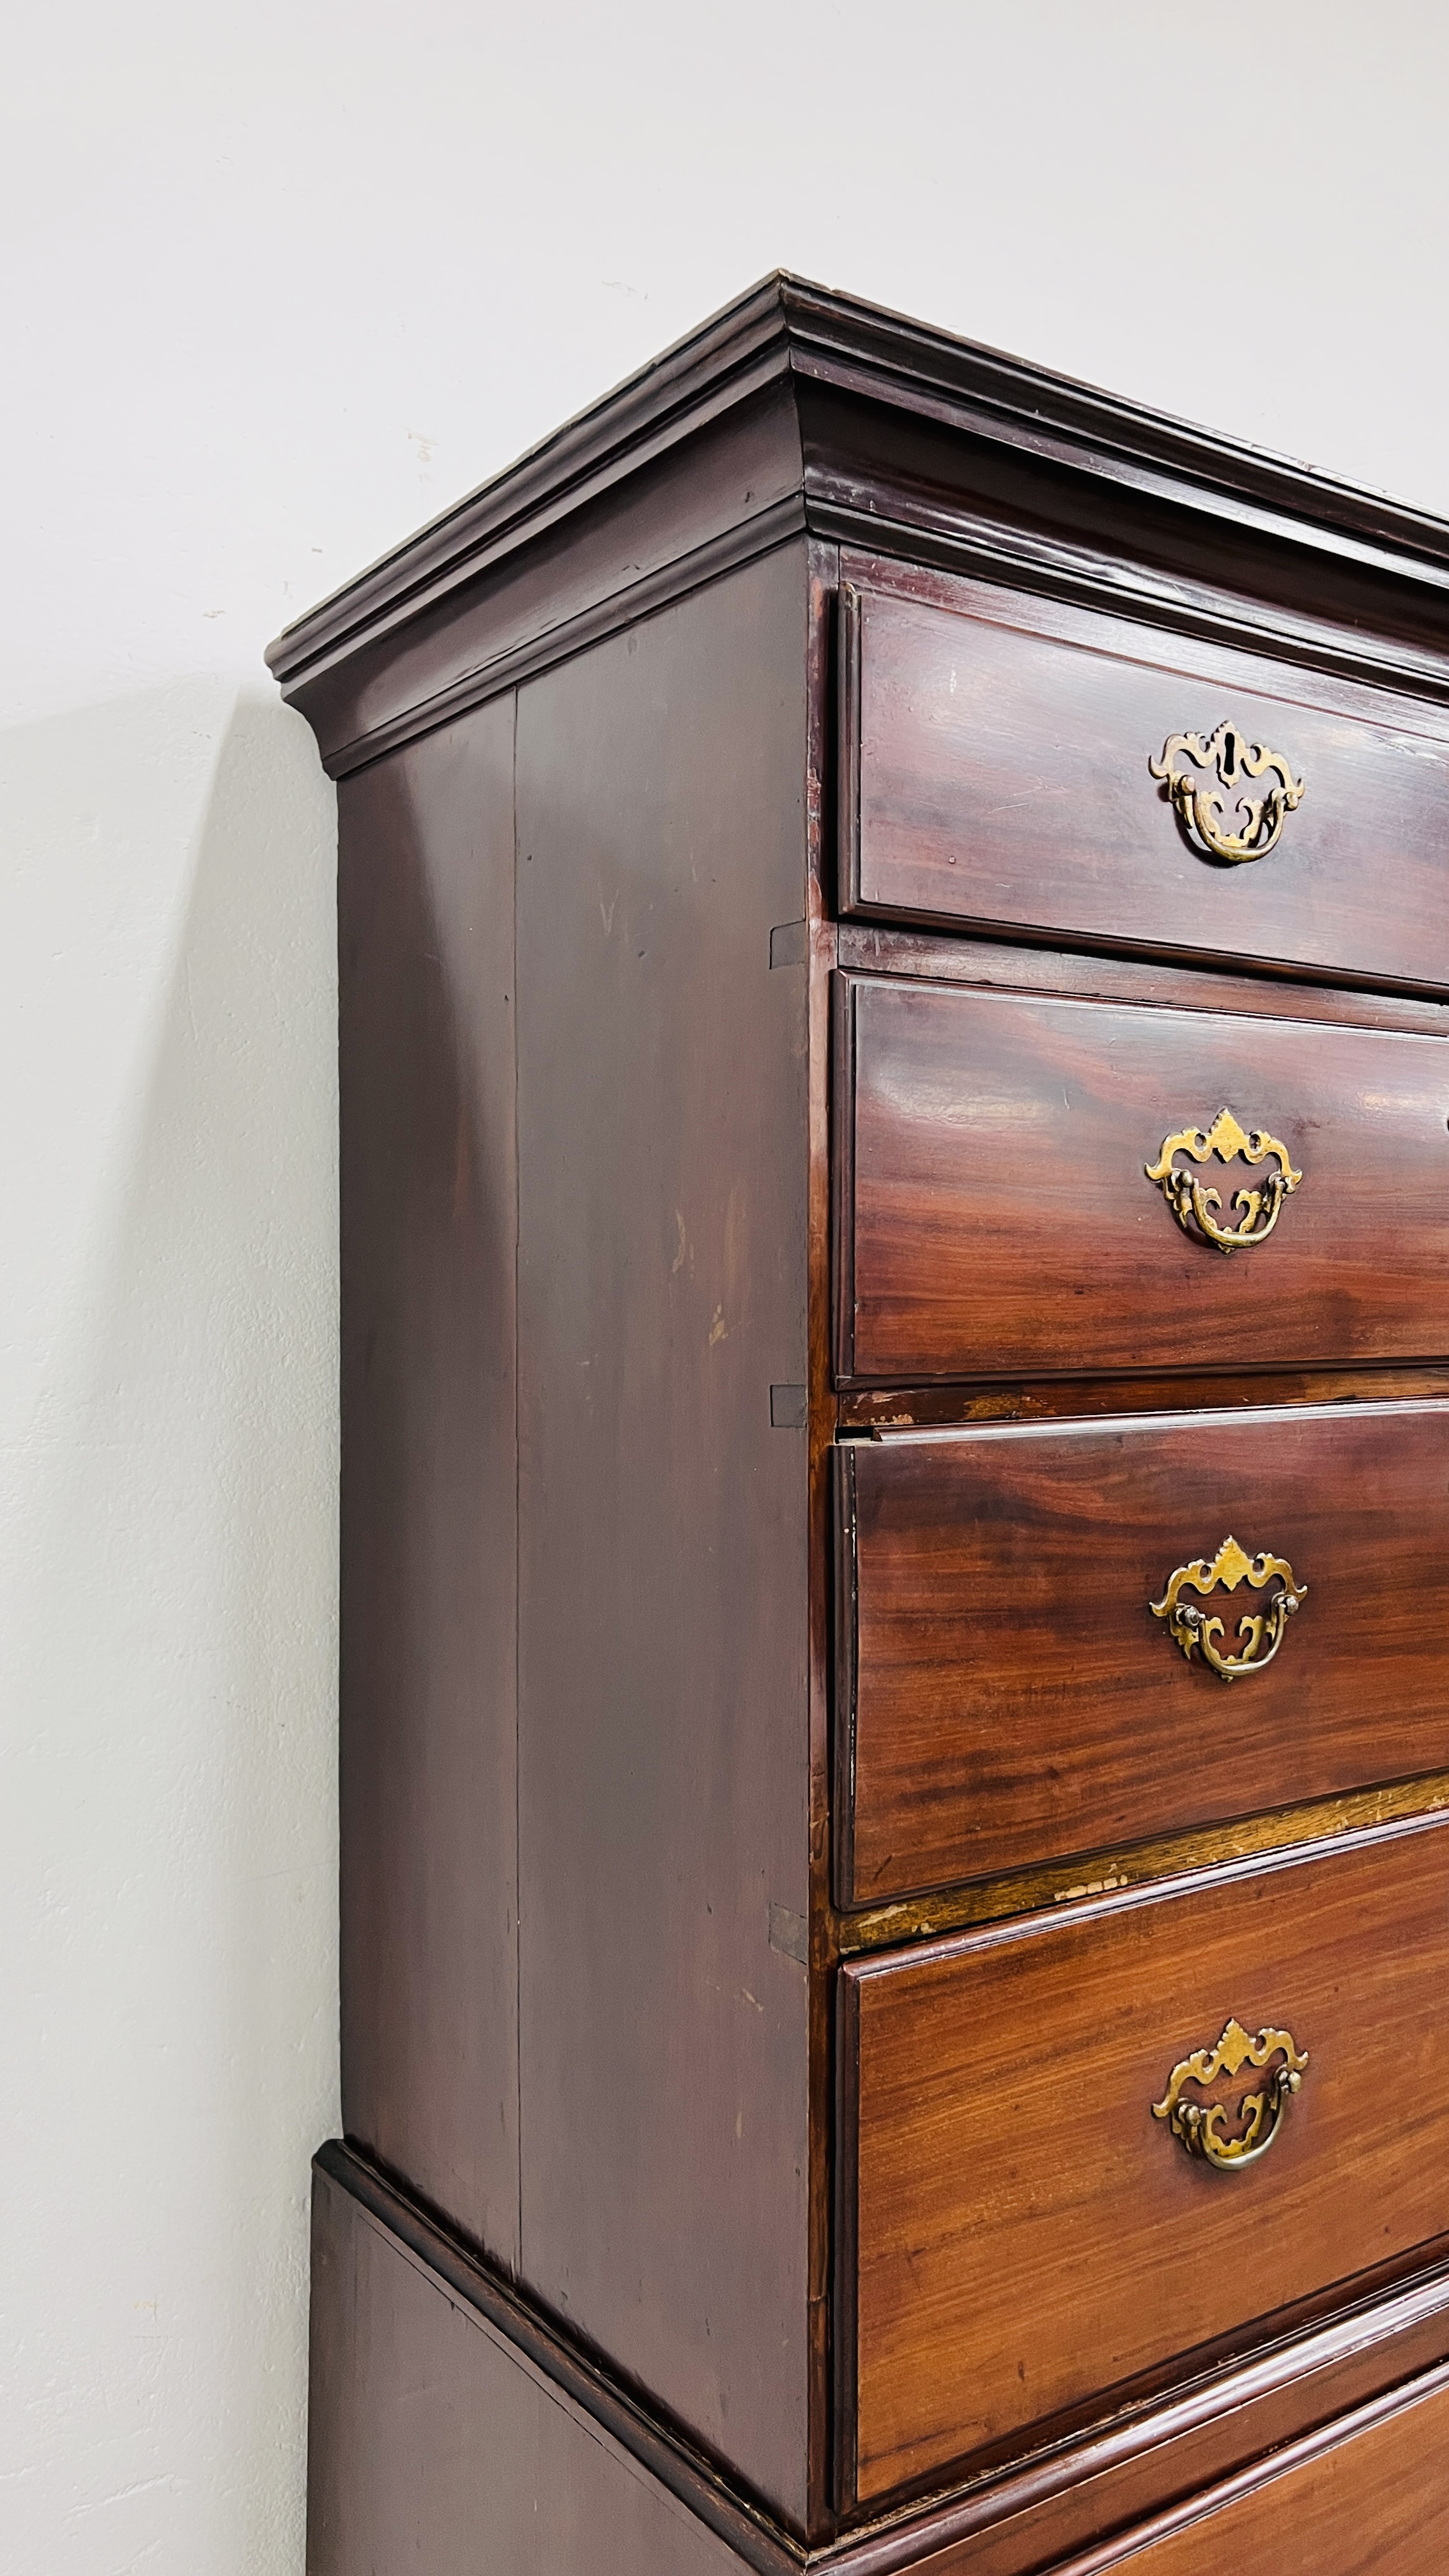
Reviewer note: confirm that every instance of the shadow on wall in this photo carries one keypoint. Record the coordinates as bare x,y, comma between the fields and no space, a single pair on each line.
168,1451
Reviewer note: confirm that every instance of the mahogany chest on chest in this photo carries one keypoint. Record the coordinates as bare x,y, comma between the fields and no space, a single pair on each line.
894,955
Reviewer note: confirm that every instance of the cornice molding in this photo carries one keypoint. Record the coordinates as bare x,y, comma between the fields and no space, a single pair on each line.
786,327
741,544
984,393
715,369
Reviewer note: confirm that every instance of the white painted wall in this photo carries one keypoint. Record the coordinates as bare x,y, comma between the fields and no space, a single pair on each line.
280,282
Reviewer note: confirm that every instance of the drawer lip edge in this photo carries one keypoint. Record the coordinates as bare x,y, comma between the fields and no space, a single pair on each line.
866,1929
898,2531
1119,2550
941,1949
1283,669
927,1435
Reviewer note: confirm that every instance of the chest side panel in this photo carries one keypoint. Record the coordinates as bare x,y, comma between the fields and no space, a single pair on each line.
663,1639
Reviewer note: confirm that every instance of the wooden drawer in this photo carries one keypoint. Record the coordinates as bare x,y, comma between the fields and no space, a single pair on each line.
995,1218
1019,2232
997,773
1006,1695
1365,2497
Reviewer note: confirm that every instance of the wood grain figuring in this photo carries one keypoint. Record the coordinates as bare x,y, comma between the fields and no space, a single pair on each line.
1014,1699
995,1219
1198,2472
664,1548
428,1718
1003,777
1372,2501
379,2401
1026,2233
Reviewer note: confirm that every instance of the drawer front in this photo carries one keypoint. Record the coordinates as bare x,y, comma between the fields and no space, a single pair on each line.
1007,1694
1369,2497
1000,776
1020,2234
996,1218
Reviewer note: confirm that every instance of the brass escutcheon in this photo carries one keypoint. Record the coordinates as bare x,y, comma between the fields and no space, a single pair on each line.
1257,1211
1195,1632
1228,756
1202,2128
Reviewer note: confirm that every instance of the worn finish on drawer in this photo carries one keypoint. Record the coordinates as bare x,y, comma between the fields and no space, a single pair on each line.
995,1218
1019,2232
999,776
1007,1696
1368,2497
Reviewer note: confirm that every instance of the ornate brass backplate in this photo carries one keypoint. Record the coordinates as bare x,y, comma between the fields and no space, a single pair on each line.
1228,757
1202,2127
1259,1635
1192,1204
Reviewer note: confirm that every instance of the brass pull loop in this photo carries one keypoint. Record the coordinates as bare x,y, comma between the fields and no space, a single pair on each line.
1228,756
1258,1211
1202,2128
1195,1632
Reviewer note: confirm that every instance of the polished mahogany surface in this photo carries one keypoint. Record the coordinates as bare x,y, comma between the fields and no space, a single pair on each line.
1023,2231
1006,1694
768,967
998,766
996,1218
1374,2502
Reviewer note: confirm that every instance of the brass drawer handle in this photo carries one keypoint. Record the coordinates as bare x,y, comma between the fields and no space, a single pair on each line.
1202,2127
1195,1631
1228,756
1258,1211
